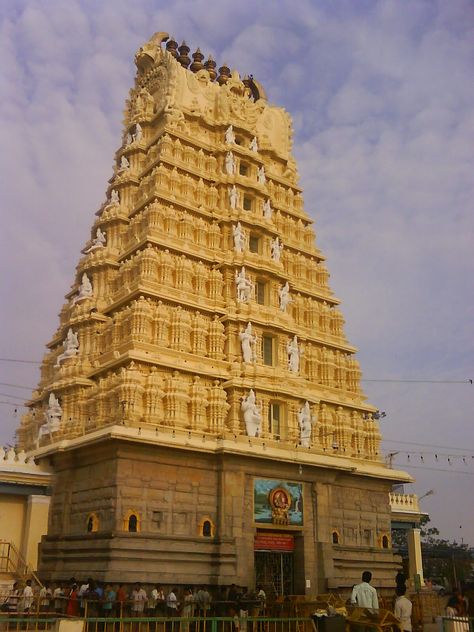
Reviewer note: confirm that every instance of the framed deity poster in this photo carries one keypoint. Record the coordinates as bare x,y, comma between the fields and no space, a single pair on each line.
277,502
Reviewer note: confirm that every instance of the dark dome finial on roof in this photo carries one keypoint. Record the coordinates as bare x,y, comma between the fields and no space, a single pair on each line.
172,47
184,58
197,63
224,74
210,66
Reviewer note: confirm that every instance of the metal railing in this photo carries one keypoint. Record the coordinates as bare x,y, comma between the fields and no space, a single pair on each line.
12,561
238,623
457,624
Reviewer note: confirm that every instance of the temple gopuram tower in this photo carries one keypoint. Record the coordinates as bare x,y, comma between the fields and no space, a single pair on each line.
199,402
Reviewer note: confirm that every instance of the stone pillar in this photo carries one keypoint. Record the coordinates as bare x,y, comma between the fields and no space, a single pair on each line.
35,526
415,561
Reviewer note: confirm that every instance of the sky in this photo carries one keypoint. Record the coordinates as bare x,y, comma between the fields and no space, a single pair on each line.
381,95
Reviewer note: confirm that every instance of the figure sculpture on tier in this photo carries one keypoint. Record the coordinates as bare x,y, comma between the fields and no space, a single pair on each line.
243,285
261,177
53,416
239,237
124,164
254,145
252,414
276,251
293,355
267,209
233,197
285,298
248,342
229,135
85,289
305,422
98,241
138,133
230,164
71,347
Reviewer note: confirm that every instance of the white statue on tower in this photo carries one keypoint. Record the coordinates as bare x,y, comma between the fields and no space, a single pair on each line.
114,197
128,139
230,165
239,237
248,342
85,289
267,209
229,135
243,285
124,164
98,241
53,416
293,355
254,145
305,422
233,197
261,177
285,298
71,347
138,133
252,414
276,250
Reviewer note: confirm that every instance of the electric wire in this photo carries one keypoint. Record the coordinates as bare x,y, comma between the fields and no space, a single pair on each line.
22,399
26,388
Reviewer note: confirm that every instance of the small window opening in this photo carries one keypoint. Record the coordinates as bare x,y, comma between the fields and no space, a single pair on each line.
335,537
132,523
260,292
206,529
254,243
247,203
243,169
274,417
267,350
385,542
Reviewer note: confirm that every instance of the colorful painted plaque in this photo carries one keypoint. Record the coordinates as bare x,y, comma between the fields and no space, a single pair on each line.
278,502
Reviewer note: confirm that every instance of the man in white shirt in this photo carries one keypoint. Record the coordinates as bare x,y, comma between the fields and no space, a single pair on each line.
365,595
138,598
403,608
172,604
28,596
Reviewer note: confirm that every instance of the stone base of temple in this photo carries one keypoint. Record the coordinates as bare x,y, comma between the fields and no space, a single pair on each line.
126,511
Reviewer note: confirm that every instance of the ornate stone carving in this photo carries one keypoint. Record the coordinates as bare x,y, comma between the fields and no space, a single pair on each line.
284,295
239,237
99,241
294,353
233,197
244,286
248,343
230,164
305,422
71,347
276,250
229,135
53,416
252,414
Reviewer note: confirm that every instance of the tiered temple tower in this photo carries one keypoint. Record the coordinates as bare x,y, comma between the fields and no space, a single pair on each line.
199,402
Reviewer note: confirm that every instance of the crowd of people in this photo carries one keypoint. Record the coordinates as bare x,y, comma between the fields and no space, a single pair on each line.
96,599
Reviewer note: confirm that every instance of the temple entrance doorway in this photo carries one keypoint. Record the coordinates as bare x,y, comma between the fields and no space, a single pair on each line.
274,567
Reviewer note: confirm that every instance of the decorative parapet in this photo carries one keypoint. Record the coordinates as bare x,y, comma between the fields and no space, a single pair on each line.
18,466
404,503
